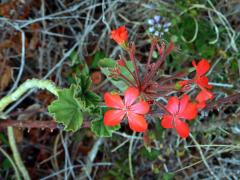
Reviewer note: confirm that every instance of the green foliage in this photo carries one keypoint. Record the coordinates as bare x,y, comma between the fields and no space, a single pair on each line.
74,58
3,139
98,127
150,155
67,110
97,57
78,65
107,64
168,176
88,98
6,164
72,103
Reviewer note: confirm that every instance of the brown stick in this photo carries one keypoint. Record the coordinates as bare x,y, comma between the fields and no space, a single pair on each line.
29,124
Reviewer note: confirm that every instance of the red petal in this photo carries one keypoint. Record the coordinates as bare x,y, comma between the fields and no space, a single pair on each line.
183,83
182,128
202,67
113,100
203,82
131,94
190,112
194,64
167,121
204,95
173,104
137,122
113,117
201,105
140,108
183,103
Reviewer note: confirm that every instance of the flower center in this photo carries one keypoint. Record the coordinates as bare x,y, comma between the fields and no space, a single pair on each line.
126,108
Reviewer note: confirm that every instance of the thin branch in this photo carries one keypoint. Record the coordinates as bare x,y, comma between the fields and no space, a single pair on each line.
29,124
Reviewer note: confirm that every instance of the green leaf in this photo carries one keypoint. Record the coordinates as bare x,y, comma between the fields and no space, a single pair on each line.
91,97
6,164
168,176
67,109
3,139
74,58
97,57
85,82
121,85
153,155
98,127
85,69
107,63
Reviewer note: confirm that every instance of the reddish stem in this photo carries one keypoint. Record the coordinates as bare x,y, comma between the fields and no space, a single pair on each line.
133,75
156,66
131,53
153,44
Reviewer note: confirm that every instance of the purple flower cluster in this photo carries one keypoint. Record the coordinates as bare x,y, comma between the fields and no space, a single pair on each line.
158,26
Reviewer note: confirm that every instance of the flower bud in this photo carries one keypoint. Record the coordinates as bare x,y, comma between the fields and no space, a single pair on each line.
121,62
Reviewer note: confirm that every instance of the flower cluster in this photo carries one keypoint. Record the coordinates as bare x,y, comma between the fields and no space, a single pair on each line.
201,81
145,87
158,26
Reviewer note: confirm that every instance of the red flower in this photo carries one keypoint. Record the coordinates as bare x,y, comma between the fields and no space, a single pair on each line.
179,109
202,81
134,112
120,35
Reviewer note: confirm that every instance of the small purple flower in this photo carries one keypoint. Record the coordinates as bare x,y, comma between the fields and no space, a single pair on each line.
167,24
150,21
157,18
151,29
166,30
156,33
158,25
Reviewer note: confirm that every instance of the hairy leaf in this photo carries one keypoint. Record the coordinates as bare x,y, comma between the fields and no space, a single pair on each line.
67,110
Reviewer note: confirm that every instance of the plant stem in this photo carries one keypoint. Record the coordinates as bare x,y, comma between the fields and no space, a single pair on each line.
16,154
5,101
153,44
18,177
23,88
130,157
131,52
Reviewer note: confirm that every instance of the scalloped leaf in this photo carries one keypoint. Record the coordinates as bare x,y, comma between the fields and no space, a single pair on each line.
67,109
101,130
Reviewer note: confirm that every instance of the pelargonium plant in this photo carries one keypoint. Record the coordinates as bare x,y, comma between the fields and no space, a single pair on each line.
141,87
147,85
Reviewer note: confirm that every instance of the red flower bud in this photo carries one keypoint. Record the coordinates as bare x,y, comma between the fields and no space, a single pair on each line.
121,62
120,35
